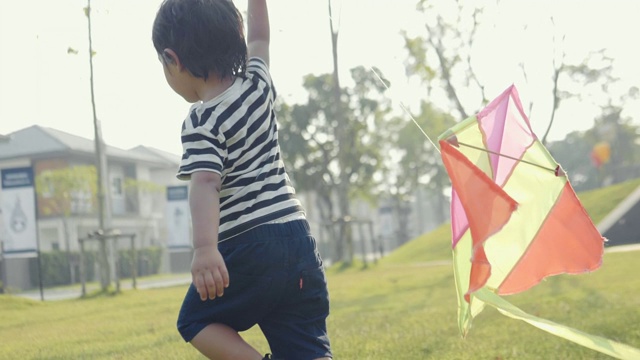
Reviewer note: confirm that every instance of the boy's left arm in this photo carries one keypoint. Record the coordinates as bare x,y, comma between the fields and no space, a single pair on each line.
258,32
208,270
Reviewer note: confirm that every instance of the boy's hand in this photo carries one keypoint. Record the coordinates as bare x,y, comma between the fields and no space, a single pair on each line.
209,272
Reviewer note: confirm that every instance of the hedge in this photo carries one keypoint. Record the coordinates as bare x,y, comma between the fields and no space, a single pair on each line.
56,270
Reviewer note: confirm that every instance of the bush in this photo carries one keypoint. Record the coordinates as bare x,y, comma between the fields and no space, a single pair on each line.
56,271
148,261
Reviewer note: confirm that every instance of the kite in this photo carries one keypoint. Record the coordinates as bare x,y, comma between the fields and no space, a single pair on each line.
515,218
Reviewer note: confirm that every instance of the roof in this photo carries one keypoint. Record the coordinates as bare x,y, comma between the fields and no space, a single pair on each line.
161,154
38,141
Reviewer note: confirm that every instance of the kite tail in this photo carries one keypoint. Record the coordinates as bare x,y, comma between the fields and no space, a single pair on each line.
597,343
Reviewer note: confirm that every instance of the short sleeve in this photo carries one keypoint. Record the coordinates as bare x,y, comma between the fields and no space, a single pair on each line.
203,150
257,67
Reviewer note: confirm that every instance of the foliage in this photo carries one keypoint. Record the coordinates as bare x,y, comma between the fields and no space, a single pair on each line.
55,267
142,185
309,134
419,166
148,261
593,81
66,191
334,149
441,56
139,192
573,153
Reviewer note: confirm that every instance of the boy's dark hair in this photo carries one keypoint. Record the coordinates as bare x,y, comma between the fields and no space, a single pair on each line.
207,36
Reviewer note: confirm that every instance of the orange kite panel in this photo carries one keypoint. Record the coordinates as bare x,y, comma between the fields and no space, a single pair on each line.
567,242
487,206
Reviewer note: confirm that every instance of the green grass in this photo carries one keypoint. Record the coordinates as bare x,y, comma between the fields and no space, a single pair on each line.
385,312
402,308
434,246
600,202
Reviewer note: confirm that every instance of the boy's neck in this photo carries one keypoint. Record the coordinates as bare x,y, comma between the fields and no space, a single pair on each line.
212,87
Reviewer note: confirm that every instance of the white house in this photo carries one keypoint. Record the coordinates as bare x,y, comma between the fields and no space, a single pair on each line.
132,211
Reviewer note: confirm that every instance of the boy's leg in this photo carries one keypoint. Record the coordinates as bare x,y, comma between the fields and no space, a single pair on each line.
296,328
218,341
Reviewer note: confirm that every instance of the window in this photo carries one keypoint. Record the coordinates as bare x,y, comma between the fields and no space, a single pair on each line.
47,191
116,187
81,202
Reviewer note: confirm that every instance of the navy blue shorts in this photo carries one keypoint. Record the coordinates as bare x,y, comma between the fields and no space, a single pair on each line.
276,280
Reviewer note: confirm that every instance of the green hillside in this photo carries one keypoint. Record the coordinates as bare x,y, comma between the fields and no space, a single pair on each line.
436,245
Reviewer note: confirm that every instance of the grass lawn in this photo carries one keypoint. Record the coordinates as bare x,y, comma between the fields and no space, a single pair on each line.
402,308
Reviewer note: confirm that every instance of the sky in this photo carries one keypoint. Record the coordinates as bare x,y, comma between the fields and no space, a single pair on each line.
42,83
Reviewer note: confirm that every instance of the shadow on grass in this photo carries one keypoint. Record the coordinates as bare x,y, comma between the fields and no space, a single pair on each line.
354,265
107,293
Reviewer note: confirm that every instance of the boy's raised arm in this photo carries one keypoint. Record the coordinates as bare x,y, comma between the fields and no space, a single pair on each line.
258,30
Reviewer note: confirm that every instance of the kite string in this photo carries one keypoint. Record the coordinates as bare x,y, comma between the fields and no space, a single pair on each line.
467,145
387,87
407,111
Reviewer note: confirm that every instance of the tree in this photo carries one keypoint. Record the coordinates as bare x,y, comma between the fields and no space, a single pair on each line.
329,143
64,192
104,208
622,137
143,198
442,57
335,156
618,133
420,166
593,82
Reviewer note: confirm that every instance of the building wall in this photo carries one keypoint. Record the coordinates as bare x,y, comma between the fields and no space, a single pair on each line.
17,276
147,224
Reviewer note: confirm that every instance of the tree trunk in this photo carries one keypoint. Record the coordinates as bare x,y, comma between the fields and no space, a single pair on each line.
556,103
104,211
341,135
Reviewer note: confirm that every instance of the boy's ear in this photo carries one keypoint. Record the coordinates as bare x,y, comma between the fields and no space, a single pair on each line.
171,58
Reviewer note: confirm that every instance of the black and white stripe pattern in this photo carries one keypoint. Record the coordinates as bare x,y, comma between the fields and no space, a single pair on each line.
235,135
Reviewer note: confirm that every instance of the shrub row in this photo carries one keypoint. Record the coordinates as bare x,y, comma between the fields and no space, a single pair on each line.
57,271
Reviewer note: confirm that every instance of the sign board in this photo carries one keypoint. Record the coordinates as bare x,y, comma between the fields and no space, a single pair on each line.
178,217
18,228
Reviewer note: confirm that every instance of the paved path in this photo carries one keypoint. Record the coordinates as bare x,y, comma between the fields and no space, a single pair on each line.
126,284
621,248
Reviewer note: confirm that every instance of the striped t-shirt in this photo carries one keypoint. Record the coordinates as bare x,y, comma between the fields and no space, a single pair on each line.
235,135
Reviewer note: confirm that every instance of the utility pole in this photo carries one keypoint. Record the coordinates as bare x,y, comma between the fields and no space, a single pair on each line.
104,208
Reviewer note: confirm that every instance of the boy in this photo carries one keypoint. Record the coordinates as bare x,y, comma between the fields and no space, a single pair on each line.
254,259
